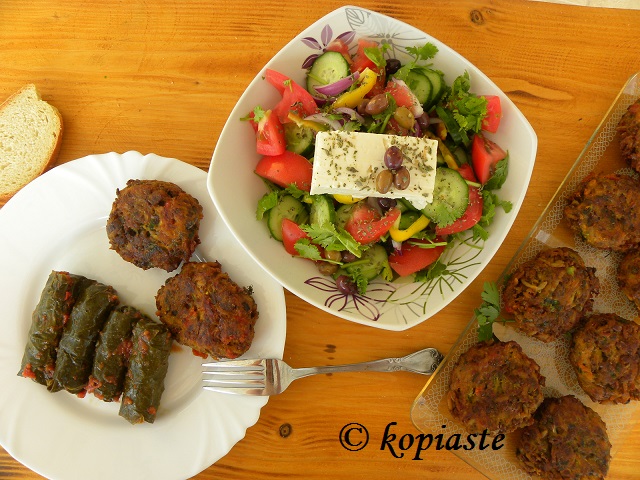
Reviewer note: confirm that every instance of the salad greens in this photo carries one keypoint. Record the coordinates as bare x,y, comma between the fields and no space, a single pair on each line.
356,240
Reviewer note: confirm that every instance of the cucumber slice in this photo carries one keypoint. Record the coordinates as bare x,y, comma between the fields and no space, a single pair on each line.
420,85
371,263
450,197
327,68
322,210
299,139
438,87
287,207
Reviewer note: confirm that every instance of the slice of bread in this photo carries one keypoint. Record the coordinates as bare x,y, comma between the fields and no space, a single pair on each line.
30,135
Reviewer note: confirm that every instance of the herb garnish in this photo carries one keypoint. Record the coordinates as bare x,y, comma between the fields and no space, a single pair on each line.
488,311
335,238
420,54
467,108
376,54
270,200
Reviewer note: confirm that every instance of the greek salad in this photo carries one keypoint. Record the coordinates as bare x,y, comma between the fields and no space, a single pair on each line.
357,238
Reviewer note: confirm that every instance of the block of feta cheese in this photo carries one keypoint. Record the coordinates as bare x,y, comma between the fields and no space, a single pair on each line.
347,163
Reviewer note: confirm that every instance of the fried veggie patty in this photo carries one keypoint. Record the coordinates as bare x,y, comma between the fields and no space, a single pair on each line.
567,440
205,310
605,354
154,224
629,276
605,211
495,387
549,294
629,130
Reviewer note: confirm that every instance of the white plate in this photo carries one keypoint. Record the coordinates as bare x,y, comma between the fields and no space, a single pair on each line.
57,222
236,190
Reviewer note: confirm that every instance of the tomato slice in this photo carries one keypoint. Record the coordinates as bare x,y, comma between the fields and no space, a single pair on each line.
291,233
361,61
491,122
366,225
251,119
403,96
484,156
294,97
413,258
473,213
286,169
270,138
340,46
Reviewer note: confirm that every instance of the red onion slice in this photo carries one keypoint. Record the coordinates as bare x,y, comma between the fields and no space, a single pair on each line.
322,118
340,86
353,115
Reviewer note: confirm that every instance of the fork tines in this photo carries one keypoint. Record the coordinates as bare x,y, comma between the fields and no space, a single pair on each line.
233,376
223,365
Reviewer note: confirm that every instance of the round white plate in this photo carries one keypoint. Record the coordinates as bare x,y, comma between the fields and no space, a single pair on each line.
57,222
396,305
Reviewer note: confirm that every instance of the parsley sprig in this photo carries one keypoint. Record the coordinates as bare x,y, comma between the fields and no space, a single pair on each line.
491,201
488,312
334,238
468,109
376,54
420,55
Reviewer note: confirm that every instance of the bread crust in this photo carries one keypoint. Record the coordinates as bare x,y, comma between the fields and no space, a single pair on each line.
47,160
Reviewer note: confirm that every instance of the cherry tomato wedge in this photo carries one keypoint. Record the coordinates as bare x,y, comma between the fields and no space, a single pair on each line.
251,118
413,258
340,46
270,138
294,97
286,169
361,61
366,225
291,233
473,213
484,156
403,96
491,122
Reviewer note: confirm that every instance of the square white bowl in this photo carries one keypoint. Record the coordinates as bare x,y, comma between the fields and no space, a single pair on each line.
236,189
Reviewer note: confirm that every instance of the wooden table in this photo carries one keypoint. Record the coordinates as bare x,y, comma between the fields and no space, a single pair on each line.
163,76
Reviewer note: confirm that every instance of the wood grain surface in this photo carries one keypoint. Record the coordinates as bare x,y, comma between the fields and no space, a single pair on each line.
163,76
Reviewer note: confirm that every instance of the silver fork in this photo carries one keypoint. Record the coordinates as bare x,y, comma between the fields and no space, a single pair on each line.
271,376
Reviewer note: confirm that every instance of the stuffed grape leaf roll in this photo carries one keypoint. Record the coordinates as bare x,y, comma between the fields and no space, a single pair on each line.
148,364
113,350
47,324
77,345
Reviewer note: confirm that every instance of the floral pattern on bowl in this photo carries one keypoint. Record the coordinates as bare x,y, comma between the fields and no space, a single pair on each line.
396,305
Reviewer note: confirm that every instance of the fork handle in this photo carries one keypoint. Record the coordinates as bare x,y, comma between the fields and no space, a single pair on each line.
424,362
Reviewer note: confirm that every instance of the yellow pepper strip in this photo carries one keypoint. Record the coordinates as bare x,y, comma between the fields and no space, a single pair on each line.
449,159
402,235
352,99
301,122
346,199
